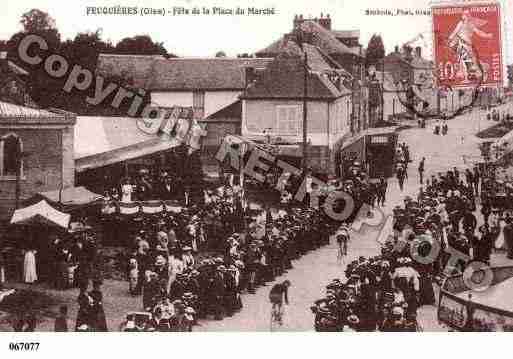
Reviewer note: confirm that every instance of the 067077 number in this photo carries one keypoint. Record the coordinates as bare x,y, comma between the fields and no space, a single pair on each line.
22,346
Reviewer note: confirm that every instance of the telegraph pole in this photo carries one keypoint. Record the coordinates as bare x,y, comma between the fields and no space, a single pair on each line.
305,112
299,39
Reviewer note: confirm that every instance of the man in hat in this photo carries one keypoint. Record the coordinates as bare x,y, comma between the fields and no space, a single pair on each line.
421,170
400,174
216,292
278,294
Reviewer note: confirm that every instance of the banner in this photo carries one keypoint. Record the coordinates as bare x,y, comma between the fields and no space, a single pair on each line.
467,45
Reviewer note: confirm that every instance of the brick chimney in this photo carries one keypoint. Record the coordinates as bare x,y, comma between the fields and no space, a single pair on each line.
325,22
418,51
407,50
298,20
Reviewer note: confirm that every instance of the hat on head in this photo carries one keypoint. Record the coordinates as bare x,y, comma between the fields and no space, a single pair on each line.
160,261
188,295
397,310
353,319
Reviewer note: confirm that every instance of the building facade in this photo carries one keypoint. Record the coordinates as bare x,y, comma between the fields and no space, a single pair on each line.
45,141
206,84
273,106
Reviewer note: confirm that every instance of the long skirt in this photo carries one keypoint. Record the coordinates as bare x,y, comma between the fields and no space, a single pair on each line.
29,267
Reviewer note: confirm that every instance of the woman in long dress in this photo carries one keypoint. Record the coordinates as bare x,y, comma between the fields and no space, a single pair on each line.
29,266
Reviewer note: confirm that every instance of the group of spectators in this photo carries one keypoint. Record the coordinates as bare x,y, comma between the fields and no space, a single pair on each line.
384,292
199,261
381,293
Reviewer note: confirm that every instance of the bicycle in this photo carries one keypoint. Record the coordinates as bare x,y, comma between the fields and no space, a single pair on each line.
276,317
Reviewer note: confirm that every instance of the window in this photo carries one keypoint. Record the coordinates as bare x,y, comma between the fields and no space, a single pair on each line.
288,120
198,103
10,148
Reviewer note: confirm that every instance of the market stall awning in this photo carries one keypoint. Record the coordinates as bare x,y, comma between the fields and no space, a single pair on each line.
101,141
40,213
68,199
72,196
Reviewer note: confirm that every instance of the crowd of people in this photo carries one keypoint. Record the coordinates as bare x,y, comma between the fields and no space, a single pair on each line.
197,262
384,292
200,260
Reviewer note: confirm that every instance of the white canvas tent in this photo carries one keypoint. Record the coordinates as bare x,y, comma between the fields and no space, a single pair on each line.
41,213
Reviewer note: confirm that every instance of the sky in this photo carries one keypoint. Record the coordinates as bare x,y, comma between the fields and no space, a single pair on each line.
204,35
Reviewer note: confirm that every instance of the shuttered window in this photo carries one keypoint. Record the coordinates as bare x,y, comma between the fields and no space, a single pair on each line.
288,120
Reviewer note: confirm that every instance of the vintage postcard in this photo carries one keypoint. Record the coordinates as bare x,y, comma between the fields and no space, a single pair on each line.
255,166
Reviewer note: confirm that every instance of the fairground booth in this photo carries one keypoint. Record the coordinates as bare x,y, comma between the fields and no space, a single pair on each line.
487,309
46,222
374,148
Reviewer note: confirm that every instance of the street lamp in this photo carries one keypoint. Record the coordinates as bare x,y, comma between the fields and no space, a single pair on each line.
300,39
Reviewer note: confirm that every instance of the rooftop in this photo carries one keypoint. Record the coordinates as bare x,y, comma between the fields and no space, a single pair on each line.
284,78
11,113
157,73
323,38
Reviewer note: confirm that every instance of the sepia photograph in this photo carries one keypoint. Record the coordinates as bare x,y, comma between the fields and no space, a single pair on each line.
255,166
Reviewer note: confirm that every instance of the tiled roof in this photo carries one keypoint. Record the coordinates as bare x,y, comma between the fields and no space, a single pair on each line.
284,79
203,74
132,67
20,114
346,33
175,74
321,37
416,62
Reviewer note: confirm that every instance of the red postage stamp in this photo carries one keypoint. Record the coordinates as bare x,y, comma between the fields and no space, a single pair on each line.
467,45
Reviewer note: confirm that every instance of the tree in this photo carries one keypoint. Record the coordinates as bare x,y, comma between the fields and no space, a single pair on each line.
85,48
375,50
40,23
140,45
220,54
